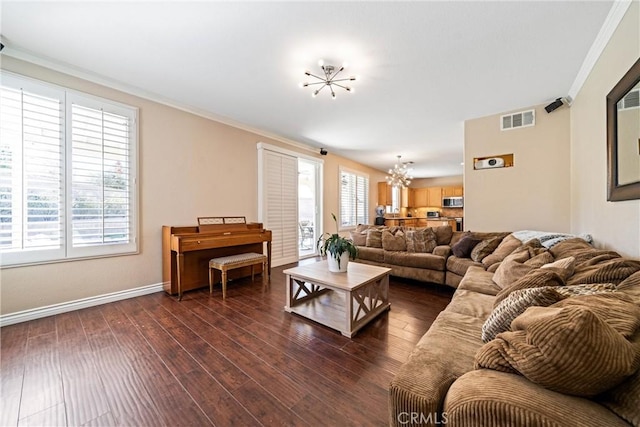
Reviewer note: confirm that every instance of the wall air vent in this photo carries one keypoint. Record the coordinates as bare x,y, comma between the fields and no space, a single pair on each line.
631,100
518,120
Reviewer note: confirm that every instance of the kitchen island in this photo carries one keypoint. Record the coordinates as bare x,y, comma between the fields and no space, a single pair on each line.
408,221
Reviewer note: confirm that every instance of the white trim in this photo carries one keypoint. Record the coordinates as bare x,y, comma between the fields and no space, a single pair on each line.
81,73
271,147
609,26
51,310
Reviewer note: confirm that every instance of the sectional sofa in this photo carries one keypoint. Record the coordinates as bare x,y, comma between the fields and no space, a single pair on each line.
543,337
425,254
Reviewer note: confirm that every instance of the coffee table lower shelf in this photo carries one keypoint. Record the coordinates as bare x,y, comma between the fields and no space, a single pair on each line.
342,301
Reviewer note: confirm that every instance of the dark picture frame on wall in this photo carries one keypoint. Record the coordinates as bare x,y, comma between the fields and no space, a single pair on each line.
623,137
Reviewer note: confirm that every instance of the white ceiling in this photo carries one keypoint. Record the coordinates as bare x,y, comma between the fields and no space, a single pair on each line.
424,67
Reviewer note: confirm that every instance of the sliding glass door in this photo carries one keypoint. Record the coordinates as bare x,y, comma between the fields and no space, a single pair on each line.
309,202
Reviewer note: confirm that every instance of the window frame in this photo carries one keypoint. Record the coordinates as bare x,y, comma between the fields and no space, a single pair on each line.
66,251
356,174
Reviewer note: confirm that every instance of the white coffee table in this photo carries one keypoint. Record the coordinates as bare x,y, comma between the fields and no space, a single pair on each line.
342,301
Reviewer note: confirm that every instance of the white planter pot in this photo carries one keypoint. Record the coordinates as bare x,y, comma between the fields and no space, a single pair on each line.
333,263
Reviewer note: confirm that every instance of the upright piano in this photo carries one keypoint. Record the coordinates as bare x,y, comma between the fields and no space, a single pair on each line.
186,251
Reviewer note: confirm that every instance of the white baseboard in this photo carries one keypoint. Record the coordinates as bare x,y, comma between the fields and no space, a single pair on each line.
51,310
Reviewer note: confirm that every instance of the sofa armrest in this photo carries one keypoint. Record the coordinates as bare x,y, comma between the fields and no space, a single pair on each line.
485,397
442,250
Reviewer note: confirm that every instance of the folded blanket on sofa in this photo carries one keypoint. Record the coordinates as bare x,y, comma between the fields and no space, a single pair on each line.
548,239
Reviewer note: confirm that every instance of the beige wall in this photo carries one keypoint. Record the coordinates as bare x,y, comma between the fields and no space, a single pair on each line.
443,181
614,225
190,166
531,195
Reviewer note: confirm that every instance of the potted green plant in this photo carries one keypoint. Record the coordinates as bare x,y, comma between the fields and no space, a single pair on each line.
339,248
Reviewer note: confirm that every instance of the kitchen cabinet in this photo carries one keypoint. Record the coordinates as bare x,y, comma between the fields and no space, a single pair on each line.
434,196
406,198
385,198
420,197
452,191
427,196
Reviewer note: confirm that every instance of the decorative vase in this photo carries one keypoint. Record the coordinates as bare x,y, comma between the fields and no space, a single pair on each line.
333,263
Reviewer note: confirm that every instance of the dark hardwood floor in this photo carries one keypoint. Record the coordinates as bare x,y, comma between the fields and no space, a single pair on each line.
153,361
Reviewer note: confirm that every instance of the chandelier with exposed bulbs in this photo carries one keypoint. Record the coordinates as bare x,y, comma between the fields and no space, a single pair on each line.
329,79
400,174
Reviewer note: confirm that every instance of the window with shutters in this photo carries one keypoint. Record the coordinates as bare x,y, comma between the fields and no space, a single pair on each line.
354,199
67,174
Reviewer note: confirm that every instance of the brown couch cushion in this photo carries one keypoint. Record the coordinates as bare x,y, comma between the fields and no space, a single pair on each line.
614,308
566,349
631,286
460,265
414,259
536,278
359,238
506,246
421,240
512,268
514,305
602,270
463,248
443,234
374,238
371,254
392,242
484,248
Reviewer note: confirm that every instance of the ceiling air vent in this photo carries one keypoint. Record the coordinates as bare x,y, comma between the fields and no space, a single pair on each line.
518,120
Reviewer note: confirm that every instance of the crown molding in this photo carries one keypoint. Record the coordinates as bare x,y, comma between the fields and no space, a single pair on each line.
609,26
92,77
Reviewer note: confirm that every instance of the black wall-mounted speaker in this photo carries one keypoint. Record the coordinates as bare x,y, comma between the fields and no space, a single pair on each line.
554,105
323,151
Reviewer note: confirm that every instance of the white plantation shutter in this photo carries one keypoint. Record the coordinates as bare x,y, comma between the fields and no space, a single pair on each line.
31,171
67,174
279,210
101,167
354,199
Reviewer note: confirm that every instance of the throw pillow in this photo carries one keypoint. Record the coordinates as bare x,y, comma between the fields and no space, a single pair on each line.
421,240
443,234
393,243
614,308
359,239
631,286
484,248
508,245
587,289
374,238
539,258
512,268
514,305
566,265
536,278
569,350
463,248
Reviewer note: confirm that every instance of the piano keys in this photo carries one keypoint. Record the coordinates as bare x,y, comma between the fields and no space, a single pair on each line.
186,252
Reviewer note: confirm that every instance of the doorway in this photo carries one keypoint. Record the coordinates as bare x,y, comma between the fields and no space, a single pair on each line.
309,203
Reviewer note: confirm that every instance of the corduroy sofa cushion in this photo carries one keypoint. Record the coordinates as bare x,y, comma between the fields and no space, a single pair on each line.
568,349
506,247
514,305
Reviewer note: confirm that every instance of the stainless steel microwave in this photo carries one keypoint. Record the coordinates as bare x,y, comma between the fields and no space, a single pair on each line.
453,202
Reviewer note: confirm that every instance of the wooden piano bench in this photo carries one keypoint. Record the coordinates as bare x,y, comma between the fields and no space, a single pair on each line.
235,261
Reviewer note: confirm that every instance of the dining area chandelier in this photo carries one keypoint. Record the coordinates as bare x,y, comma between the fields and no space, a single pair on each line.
400,175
